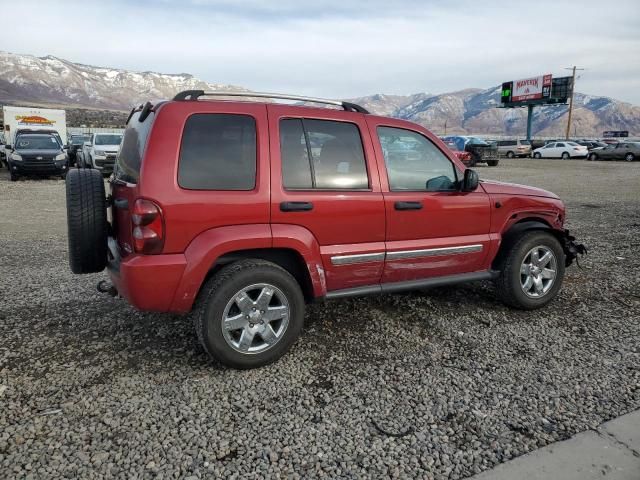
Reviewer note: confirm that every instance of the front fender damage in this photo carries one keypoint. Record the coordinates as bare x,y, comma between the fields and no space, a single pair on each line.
571,248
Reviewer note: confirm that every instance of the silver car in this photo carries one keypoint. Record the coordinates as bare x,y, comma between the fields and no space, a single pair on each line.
514,148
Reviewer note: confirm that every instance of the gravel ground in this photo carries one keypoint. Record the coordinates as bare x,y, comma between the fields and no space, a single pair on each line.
437,384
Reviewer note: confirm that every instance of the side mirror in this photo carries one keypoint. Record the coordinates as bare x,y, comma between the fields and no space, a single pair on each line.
470,180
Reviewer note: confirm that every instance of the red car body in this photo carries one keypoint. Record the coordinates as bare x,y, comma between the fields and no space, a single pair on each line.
197,230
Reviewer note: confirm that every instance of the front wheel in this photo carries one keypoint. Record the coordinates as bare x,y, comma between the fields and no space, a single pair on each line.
629,157
510,155
531,271
492,163
593,157
249,314
12,176
537,155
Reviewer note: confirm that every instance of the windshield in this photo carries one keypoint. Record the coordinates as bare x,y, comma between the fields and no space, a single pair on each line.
40,142
78,140
475,141
108,139
525,142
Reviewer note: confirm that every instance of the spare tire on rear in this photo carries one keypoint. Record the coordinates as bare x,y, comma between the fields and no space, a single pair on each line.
86,220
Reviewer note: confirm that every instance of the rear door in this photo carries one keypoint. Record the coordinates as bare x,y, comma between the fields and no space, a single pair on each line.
324,179
433,229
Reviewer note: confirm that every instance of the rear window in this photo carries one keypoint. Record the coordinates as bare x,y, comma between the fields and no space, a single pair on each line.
218,152
129,159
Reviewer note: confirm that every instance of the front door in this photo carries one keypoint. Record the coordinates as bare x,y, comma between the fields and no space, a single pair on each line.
433,229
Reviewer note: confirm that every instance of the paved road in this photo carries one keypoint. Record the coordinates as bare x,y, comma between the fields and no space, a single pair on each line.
611,451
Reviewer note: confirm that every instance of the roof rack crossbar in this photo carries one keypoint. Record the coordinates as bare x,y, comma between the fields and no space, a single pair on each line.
195,94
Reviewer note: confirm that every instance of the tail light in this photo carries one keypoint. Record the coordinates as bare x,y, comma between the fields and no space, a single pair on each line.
148,227
577,148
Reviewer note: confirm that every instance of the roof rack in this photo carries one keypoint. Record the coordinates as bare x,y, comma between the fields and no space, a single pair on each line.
195,94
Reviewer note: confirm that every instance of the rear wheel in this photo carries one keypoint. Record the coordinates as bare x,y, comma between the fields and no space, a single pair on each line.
537,155
566,156
249,314
86,221
532,271
629,157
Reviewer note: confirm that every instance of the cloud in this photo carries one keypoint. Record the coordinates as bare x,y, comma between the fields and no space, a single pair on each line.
342,49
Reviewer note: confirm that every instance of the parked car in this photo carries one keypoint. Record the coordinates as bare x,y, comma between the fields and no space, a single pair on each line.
514,148
100,151
481,151
564,150
628,151
591,144
36,154
240,212
464,157
75,144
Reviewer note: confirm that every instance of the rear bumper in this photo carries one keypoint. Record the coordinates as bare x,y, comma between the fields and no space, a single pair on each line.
148,282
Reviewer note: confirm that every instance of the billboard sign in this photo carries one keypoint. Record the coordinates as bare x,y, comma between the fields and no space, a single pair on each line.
531,88
615,134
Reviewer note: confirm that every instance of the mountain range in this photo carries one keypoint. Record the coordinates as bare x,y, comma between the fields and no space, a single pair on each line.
30,80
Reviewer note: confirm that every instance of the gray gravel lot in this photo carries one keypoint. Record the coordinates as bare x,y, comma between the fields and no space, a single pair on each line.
90,388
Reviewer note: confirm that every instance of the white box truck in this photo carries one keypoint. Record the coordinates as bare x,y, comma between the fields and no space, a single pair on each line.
41,119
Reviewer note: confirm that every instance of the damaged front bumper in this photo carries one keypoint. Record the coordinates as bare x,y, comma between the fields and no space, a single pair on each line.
571,248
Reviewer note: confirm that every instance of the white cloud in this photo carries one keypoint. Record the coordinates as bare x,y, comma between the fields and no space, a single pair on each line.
342,49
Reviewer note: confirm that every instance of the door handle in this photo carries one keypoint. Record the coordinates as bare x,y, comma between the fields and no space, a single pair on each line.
296,206
408,205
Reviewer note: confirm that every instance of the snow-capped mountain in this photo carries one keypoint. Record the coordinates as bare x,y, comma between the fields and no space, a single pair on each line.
473,111
26,79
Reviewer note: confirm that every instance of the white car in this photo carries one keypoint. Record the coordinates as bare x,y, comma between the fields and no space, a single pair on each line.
100,151
563,150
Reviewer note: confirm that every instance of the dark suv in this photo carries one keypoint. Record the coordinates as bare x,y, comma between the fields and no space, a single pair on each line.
36,154
241,212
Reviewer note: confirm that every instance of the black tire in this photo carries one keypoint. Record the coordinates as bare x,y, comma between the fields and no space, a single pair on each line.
565,156
510,154
492,163
13,176
592,157
220,289
629,157
86,221
508,284
537,155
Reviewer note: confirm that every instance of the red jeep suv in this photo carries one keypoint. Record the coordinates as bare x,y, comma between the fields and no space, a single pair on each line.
240,212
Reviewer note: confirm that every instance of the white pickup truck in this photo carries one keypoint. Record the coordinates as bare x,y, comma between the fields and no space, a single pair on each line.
100,152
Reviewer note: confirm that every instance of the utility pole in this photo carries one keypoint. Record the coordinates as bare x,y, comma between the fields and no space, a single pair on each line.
573,89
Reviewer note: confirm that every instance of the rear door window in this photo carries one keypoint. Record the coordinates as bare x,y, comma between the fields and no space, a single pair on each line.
322,154
218,152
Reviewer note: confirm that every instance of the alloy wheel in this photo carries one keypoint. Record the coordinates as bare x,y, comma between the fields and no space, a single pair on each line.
255,318
538,271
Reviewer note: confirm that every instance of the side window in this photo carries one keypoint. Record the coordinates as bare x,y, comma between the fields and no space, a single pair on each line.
560,145
322,154
414,163
218,152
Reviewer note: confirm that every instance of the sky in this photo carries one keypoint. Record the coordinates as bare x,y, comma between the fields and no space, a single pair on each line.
342,48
